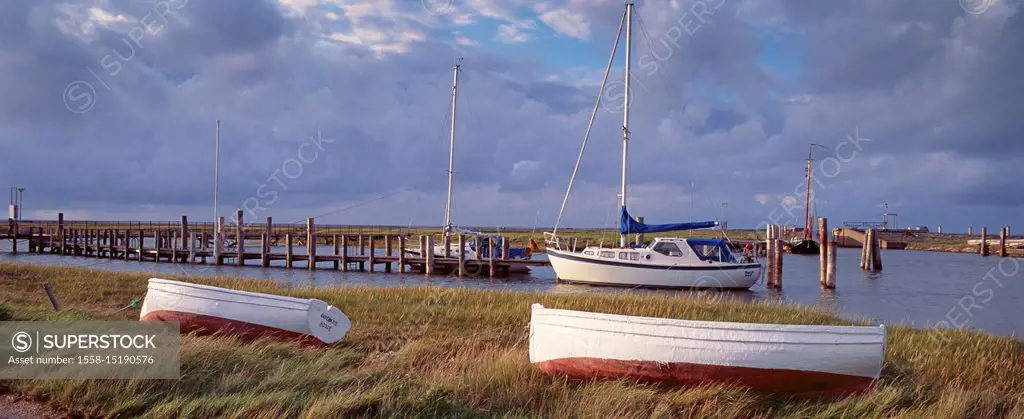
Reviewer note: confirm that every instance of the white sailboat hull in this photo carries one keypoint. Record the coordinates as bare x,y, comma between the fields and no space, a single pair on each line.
250,315
823,361
574,268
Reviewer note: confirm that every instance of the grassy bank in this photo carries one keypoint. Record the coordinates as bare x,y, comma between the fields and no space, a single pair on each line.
456,352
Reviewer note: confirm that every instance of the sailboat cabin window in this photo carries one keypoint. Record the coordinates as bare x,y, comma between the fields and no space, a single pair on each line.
610,255
624,255
589,253
668,249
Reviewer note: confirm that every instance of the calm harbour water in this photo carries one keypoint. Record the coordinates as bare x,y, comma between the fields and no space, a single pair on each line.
923,289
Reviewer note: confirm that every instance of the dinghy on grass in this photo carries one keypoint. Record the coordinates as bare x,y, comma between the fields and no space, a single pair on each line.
249,315
811,361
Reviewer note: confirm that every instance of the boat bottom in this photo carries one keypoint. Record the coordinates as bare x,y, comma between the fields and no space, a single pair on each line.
203,325
812,384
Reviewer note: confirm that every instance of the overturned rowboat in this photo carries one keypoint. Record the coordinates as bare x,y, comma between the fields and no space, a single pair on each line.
811,361
249,315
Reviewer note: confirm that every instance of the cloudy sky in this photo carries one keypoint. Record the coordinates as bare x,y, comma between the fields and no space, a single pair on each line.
108,109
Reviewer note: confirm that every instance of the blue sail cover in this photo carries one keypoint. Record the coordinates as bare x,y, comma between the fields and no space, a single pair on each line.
628,225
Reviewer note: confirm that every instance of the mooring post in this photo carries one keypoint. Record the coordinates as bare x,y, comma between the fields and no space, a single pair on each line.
401,254
387,251
447,245
344,253
184,230
479,250
823,240
462,255
779,256
984,241
865,254
311,242
876,252
288,256
429,267
157,238
337,252
60,231
14,235
264,245
192,247
370,257
127,243
174,246
1003,232
362,253
240,238
490,256
830,281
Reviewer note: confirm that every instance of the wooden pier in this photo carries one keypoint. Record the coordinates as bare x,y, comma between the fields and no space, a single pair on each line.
261,244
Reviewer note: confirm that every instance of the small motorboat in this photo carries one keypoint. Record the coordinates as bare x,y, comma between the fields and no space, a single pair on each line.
811,361
250,315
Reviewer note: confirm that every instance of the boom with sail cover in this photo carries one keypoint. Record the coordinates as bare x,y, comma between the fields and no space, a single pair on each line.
628,225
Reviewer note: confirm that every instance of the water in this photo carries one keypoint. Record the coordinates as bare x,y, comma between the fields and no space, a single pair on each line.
923,289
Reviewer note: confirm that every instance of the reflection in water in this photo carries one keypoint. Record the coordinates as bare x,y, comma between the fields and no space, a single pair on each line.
917,288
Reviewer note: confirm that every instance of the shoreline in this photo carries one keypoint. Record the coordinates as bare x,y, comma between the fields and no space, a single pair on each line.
463,352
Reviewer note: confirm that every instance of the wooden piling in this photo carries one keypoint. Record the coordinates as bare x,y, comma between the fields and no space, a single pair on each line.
447,245
823,244
401,254
60,232
1003,232
239,238
876,252
388,251
344,253
337,251
311,243
192,247
14,237
769,262
830,279
218,245
264,249
288,256
984,241
779,254
462,255
429,253
372,259
490,256
865,253
184,230
504,248
479,248
362,252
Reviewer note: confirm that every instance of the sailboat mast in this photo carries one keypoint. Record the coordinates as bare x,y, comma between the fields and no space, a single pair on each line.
623,240
808,235
451,151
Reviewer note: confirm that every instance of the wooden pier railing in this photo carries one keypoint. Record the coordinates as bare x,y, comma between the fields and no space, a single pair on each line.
366,250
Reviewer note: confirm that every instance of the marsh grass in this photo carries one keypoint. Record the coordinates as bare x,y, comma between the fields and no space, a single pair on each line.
442,352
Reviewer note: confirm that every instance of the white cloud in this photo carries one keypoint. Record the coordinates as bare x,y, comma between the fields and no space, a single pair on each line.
516,32
567,23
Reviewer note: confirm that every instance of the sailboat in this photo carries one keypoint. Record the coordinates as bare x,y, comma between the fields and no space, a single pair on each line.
471,252
807,245
665,262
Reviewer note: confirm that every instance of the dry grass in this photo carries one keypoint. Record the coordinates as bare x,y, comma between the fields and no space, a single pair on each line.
456,352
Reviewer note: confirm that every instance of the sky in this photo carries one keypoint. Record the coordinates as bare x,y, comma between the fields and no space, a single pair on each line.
339,110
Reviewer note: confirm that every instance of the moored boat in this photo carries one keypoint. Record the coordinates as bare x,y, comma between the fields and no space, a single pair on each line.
802,360
206,309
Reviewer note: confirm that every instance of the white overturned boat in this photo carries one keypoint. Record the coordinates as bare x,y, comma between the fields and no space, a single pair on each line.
814,361
250,315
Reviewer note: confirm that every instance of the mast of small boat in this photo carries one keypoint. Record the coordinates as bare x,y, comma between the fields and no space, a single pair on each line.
623,239
216,193
451,150
807,199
